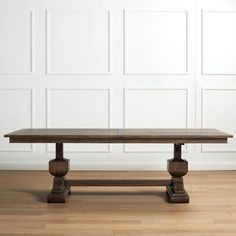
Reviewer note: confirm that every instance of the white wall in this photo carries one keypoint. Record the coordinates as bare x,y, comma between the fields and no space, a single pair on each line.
117,63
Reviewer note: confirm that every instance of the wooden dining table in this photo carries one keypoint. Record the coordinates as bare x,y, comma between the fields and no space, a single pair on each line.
176,166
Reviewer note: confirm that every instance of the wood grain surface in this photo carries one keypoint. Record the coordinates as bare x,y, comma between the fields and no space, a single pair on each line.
118,136
118,211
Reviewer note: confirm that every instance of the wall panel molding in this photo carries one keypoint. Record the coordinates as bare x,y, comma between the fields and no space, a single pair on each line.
32,118
126,47
48,116
76,72
31,69
129,64
203,104
219,37
125,118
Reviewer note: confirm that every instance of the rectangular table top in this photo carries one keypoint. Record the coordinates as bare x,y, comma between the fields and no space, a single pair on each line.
118,136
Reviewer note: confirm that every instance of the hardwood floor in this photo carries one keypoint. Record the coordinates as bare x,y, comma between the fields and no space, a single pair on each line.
106,211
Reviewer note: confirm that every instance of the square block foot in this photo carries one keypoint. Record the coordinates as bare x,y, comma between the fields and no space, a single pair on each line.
176,197
59,197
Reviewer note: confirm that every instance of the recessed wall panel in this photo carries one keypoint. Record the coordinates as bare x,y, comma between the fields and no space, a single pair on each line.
218,111
78,42
16,42
155,42
218,42
79,108
16,106
155,108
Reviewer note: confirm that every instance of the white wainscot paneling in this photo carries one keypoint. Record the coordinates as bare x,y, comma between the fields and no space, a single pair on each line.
16,42
155,42
79,108
78,42
218,42
155,108
16,106
218,110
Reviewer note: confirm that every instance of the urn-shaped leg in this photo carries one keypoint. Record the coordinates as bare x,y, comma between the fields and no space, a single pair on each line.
59,167
177,168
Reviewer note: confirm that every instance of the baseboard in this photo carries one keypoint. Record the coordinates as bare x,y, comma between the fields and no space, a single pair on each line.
119,166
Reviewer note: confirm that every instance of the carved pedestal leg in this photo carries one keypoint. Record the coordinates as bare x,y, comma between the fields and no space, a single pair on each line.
177,168
59,167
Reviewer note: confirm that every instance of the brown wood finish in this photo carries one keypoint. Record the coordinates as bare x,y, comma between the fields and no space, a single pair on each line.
118,182
177,167
59,167
118,136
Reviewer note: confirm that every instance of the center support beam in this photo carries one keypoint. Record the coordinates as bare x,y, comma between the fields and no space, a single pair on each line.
118,182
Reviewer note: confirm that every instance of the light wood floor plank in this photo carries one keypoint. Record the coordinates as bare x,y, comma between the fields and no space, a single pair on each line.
118,211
